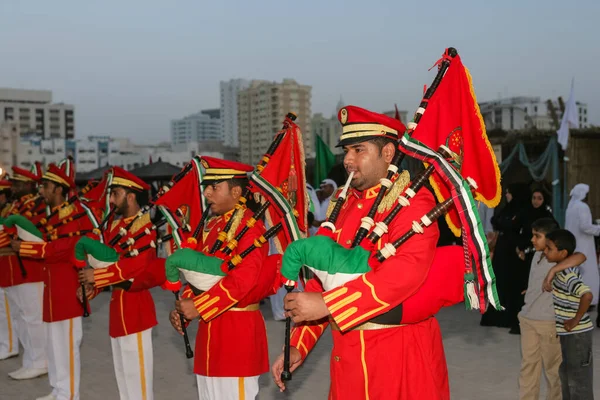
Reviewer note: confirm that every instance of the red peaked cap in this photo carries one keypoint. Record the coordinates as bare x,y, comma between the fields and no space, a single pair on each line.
127,179
218,170
34,174
5,185
63,175
359,125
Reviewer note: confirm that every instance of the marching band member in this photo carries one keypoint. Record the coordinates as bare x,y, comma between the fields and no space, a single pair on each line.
132,311
22,280
62,310
231,343
370,359
9,342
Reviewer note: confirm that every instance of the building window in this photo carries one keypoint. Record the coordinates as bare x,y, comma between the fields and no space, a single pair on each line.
535,109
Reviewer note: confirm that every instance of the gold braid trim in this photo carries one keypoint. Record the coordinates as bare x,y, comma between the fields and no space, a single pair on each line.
391,197
237,219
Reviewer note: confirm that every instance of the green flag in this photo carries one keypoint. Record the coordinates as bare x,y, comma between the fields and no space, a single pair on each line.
324,161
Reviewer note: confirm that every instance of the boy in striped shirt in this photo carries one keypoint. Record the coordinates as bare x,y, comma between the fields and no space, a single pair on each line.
572,298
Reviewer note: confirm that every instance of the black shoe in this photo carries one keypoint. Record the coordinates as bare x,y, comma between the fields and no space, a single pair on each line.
515,331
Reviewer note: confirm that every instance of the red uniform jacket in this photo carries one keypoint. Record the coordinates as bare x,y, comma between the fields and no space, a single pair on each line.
131,310
10,272
405,362
232,337
56,262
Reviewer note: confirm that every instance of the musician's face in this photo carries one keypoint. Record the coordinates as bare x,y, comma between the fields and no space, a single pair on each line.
368,163
20,188
120,199
3,199
51,193
221,197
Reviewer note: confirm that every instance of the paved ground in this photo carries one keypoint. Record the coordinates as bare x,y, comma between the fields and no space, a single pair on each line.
483,362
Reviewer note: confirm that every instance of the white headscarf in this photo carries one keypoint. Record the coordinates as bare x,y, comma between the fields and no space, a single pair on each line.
330,182
579,191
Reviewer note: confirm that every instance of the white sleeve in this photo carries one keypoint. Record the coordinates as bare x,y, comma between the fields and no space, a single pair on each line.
585,221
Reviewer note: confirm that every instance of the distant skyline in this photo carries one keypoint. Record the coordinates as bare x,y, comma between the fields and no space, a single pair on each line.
131,67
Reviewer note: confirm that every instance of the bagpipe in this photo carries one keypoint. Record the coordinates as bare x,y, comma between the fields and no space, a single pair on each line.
43,222
24,229
278,192
462,169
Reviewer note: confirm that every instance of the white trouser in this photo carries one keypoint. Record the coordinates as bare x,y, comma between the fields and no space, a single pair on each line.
64,363
28,309
9,341
226,388
134,364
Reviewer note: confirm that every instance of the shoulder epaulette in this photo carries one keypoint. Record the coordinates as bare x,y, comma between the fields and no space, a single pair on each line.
140,223
390,198
66,211
333,200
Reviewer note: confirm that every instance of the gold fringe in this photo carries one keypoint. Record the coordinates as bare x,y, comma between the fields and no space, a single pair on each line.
493,202
302,184
276,240
391,197
456,230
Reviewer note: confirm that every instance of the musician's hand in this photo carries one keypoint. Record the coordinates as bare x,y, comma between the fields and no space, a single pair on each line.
175,319
86,275
15,244
187,308
89,293
277,368
305,306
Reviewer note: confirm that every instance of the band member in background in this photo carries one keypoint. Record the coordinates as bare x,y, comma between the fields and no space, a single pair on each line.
62,310
25,291
9,342
132,311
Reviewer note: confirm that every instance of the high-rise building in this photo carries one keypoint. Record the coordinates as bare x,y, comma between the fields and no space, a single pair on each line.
196,128
229,110
262,108
329,129
34,113
520,113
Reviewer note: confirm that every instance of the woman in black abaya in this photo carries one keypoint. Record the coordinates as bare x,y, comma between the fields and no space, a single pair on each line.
505,261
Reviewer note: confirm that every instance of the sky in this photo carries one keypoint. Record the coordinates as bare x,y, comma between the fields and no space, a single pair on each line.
129,67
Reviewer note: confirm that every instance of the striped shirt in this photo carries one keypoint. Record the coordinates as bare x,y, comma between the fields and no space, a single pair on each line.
568,287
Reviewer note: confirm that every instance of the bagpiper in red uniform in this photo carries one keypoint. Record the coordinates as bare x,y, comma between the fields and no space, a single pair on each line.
231,343
372,359
9,342
132,311
62,310
25,291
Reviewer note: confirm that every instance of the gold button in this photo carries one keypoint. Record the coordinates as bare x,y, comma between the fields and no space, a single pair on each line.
336,358
348,241
360,206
